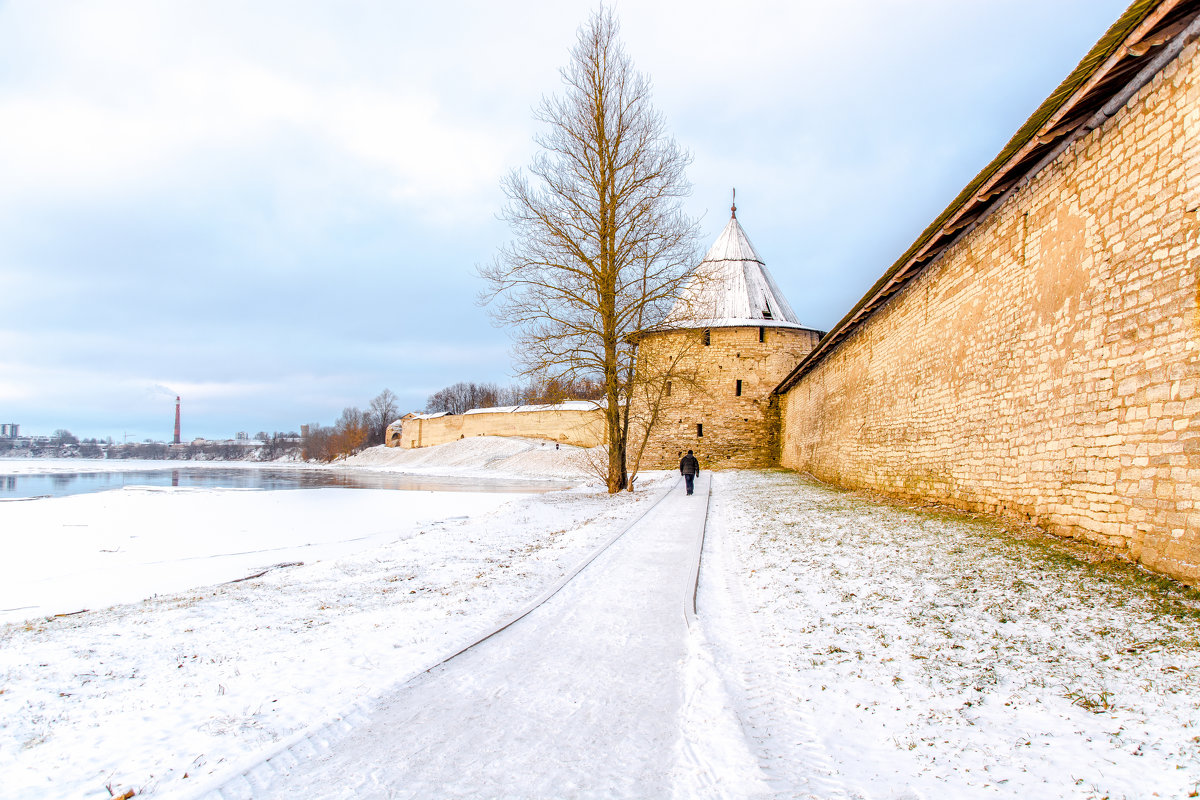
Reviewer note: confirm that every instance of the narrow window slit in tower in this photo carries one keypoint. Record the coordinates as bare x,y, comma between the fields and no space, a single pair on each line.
738,390
699,429
762,333
707,337
668,388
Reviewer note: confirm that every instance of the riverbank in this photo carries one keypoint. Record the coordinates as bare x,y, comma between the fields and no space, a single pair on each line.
485,456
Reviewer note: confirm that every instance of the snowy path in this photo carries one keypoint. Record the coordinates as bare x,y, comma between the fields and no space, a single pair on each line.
581,698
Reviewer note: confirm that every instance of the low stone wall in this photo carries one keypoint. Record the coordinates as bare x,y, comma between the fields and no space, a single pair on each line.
574,426
1047,365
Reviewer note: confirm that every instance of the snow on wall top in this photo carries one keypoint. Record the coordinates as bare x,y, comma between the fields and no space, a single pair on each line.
569,405
732,286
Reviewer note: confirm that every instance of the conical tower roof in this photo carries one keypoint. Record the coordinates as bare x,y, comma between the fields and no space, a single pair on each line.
731,286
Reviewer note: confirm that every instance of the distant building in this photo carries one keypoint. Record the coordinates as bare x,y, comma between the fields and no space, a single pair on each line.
10,430
395,430
574,422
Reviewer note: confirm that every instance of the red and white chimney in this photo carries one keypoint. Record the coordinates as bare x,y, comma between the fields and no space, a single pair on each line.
176,420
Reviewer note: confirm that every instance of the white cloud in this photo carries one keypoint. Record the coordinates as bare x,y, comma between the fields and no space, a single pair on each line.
130,95
78,144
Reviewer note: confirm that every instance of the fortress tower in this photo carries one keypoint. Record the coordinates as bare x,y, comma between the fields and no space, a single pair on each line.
725,346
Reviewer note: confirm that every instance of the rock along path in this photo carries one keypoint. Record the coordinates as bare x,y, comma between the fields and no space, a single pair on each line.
581,698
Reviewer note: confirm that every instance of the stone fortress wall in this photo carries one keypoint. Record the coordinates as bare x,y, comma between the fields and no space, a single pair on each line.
723,407
1046,365
576,423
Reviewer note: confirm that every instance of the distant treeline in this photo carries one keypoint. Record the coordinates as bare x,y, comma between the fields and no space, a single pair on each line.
354,430
462,397
263,447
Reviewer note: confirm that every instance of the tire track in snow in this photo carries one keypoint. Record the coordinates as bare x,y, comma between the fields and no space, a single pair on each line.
713,759
766,699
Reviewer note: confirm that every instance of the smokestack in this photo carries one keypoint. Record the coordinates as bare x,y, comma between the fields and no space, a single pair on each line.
176,420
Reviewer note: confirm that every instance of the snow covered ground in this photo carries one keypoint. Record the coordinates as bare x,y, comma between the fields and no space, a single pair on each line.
924,654
862,649
95,550
483,456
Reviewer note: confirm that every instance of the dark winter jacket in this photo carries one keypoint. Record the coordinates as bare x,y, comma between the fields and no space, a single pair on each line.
689,465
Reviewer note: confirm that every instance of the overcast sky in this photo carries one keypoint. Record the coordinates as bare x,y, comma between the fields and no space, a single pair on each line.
275,209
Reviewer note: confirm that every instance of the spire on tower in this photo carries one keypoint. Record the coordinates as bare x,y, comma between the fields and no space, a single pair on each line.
733,206
731,287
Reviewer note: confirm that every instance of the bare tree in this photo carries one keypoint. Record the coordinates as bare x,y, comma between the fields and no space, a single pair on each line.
601,245
350,432
672,365
381,413
316,442
465,395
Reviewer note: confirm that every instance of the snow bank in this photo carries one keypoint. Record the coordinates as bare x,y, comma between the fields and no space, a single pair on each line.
495,456
866,649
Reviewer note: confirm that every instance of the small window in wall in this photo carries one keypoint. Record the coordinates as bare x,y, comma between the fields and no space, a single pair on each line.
767,314
699,429
707,337
762,333
738,390
668,388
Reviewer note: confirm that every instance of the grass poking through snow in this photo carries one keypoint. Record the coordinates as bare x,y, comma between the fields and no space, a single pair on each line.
939,650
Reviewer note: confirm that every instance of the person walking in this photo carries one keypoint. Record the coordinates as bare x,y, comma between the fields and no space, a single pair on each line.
689,467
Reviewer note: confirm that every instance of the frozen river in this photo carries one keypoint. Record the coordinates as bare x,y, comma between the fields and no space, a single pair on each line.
25,485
